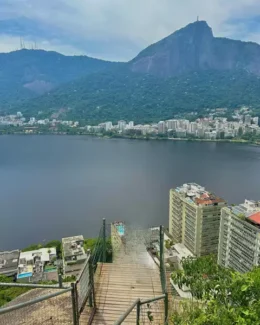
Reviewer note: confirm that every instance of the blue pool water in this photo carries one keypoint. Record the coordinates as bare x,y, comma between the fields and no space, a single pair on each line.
24,275
121,230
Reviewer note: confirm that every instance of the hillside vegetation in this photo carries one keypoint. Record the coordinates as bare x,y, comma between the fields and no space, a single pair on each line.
122,94
226,297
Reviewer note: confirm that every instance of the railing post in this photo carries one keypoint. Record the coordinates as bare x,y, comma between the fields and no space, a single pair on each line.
74,304
60,280
138,311
91,284
162,259
104,241
166,303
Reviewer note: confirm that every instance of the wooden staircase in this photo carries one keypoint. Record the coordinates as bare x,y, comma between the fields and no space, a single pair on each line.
132,275
119,285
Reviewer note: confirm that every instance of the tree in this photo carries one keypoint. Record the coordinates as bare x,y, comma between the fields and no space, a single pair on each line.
32,247
90,243
56,244
226,297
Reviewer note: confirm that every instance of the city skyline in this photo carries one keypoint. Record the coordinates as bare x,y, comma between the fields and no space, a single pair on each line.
212,126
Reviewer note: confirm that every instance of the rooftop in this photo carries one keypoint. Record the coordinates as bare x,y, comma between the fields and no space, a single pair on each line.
250,210
198,195
43,253
73,246
32,263
9,262
255,218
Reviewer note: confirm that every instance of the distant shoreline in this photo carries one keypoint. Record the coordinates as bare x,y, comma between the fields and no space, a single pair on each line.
184,139
116,136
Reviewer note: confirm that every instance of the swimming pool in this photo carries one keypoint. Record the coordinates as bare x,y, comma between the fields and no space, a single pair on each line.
24,275
121,230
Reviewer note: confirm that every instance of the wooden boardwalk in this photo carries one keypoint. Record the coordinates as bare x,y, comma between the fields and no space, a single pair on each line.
132,275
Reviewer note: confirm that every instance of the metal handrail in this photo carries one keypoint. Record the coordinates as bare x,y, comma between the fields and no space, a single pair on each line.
128,311
137,303
148,301
89,264
31,285
32,302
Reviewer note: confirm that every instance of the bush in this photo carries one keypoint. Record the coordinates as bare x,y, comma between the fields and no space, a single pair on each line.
9,293
228,297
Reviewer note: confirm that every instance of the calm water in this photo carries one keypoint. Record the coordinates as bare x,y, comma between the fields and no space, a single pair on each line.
56,186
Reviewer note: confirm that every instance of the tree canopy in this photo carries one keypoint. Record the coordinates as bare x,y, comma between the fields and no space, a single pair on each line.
227,297
122,94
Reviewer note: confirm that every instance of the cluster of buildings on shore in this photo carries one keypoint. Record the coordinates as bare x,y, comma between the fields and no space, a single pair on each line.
44,264
18,120
203,223
212,127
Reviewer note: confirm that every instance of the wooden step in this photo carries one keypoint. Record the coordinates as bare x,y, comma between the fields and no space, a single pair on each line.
119,284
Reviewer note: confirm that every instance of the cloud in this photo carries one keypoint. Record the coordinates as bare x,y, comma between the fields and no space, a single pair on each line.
119,29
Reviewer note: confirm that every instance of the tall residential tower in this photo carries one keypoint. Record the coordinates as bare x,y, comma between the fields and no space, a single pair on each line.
194,218
239,236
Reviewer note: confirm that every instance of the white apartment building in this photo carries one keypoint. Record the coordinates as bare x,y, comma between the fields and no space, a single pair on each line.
172,124
108,126
194,218
193,127
161,127
239,236
32,263
183,124
255,120
247,119
121,125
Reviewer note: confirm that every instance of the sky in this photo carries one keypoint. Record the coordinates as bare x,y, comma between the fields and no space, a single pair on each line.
118,30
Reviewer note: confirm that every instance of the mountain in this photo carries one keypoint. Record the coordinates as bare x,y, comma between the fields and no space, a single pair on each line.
123,94
188,70
26,73
194,48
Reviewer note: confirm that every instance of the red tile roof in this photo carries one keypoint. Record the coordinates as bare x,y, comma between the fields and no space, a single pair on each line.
209,200
255,218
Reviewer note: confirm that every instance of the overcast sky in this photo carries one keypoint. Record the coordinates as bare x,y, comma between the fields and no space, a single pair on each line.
118,29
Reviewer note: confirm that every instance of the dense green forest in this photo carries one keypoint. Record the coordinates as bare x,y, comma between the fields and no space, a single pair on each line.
26,73
122,94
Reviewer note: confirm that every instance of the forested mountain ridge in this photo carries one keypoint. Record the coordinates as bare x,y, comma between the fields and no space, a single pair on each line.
186,71
123,94
27,73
